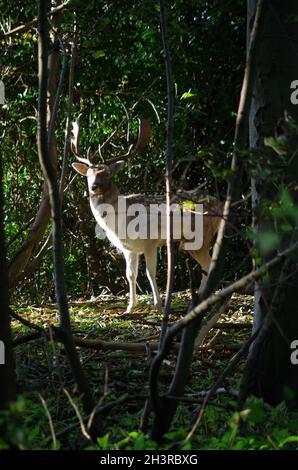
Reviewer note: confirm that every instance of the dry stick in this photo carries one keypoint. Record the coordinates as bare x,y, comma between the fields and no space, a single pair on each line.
96,344
30,24
234,287
64,332
27,323
52,429
26,339
102,398
97,412
119,401
79,416
218,253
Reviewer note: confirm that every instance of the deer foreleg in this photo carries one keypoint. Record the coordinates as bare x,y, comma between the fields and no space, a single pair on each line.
151,260
132,264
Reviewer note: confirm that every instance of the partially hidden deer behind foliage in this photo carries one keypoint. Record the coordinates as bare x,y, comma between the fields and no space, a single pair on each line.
115,214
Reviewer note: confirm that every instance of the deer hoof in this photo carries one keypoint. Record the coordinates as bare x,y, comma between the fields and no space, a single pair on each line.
157,307
130,308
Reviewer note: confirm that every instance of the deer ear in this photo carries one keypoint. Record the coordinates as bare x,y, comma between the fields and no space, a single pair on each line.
80,168
117,166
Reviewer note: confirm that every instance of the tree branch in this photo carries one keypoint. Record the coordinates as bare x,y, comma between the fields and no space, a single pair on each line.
24,27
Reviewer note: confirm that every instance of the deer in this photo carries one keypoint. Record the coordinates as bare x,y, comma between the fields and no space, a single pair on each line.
107,204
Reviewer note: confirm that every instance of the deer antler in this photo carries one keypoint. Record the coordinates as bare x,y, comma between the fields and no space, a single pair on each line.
142,142
74,143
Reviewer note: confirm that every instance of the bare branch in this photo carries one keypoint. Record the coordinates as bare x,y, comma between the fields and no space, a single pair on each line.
24,27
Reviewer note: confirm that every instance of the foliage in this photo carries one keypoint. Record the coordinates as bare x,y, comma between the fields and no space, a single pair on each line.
119,63
119,76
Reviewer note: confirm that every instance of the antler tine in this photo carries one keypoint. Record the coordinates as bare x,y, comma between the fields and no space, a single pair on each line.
100,152
90,155
144,134
122,157
142,142
74,143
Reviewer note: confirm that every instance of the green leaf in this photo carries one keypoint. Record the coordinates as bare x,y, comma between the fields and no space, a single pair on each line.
98,54
187,95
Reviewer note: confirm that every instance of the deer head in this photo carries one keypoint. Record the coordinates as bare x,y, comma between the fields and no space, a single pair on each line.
100,180
100,176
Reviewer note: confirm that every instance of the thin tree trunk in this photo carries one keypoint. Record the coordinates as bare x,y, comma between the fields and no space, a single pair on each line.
169,167
64,332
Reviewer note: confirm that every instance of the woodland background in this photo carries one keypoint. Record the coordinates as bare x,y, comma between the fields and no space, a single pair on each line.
110,56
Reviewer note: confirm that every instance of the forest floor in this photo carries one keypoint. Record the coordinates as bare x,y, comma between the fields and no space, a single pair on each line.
120,377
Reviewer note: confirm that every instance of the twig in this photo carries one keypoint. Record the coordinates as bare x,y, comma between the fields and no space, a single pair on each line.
17,235
195,401
26,339
104,395
27,323
36,261
98,411
51,425
119,126
30,24
79,416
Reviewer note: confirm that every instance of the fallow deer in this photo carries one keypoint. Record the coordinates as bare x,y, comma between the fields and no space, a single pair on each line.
104,194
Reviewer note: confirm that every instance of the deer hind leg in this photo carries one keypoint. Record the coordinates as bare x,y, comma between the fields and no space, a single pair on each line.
151,261
132,264
203,257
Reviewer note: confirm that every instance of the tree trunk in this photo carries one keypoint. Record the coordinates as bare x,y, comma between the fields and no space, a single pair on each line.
274,377
64,331
7,378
